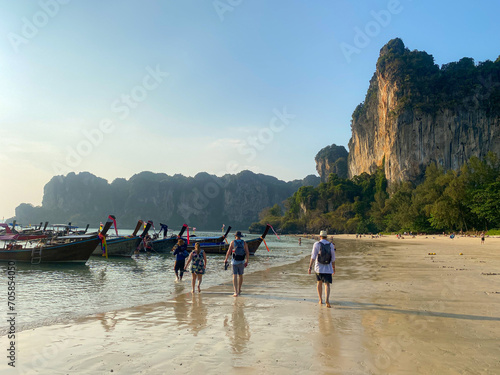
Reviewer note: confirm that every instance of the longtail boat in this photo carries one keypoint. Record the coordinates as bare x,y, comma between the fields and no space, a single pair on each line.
218,239
13,235
123,246
67,249
165,245
222,247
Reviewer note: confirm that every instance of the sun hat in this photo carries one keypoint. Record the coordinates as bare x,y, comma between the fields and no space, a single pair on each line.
323,233
238,234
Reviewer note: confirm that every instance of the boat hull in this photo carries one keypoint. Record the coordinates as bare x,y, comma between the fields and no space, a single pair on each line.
119,247
165,245
78,252
222,247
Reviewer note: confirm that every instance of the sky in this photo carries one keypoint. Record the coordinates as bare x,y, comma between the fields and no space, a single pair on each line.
118,87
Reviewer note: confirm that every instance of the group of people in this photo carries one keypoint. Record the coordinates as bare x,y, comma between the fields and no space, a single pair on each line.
322,261
237,251
197,258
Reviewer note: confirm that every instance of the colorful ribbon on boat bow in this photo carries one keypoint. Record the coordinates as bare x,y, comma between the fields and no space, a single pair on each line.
265,244
104,246
274,232
113,219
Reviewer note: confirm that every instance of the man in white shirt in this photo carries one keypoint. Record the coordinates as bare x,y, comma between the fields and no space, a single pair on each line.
324,269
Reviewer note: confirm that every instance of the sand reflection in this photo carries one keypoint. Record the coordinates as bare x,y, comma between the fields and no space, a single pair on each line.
197,314
181,308
191,311
327,346
108,320
237,328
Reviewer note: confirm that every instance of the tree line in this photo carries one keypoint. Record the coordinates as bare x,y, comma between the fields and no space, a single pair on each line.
451,201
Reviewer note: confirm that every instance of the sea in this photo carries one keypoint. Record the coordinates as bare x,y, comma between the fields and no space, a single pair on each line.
52,293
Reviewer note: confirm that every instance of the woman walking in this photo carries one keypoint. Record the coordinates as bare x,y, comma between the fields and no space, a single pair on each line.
198,260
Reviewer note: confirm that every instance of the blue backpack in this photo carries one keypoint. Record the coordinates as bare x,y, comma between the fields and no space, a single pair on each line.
239,250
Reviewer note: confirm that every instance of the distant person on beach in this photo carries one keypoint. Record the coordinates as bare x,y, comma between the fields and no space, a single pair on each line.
323,259
482,238
146,244
181,253
238,250
300,241
198,260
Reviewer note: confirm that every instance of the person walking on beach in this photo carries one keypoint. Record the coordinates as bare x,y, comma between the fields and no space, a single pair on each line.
323,259
148,243
181,253
238,249
198,260
145,244
482,238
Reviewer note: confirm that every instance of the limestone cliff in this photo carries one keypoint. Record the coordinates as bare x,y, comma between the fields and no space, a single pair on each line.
331,159
416,113
204,201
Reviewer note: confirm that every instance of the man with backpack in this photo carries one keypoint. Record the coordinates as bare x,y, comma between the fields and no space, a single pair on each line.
238,249
323,259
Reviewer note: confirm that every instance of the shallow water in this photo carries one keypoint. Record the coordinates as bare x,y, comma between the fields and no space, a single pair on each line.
52,293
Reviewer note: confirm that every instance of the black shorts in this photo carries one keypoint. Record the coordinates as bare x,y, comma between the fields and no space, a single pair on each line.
324,277
179,265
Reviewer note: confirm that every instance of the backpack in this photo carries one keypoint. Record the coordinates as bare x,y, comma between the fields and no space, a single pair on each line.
325,253
239,250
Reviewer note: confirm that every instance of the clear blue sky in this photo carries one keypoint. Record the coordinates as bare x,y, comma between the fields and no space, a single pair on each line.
118,87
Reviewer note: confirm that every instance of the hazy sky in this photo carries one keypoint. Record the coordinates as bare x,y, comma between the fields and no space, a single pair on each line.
119,87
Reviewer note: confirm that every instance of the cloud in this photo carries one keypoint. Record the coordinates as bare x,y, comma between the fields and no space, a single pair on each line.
14,149
222,143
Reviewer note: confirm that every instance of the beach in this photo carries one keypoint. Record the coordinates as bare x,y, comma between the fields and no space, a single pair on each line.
396,310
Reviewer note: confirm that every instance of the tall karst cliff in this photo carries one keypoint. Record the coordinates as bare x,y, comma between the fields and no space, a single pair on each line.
204,201
416,113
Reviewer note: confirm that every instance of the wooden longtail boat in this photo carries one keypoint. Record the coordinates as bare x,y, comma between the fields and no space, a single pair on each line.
222,247
13,235
165,245
218,239
74,249
123,246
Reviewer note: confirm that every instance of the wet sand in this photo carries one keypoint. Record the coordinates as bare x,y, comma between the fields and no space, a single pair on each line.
396,310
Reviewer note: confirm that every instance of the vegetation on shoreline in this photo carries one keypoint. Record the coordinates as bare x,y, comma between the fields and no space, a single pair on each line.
445,201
